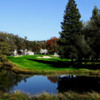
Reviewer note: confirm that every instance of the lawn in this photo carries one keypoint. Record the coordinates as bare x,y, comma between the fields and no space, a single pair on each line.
33,65
43,64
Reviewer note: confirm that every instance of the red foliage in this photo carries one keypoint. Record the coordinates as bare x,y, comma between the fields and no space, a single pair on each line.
52,45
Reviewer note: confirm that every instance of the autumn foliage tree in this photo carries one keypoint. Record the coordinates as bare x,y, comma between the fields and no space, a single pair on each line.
52,45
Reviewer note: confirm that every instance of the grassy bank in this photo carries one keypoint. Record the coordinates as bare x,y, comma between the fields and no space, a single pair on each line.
45,96
42,64
53,65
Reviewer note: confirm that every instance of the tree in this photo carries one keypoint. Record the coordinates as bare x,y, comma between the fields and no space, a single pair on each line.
52,45
71,26
4,50
83,48
92,32
96,37
94,13
19,42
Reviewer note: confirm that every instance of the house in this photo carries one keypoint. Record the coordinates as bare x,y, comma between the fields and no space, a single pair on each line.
14,53
21,52
27,52
56,54
43,51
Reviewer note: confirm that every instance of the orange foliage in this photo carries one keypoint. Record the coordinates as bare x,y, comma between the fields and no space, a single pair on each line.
52,45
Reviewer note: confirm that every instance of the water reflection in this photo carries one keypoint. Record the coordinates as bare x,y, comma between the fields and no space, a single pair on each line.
78,84
8,80
75,83
51,84
53,79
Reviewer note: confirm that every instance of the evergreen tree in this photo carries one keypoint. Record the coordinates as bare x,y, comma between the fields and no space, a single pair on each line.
71,27
93,33
96,37
94,13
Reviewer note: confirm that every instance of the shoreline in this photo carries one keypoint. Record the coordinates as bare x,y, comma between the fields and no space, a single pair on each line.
19,70
70,95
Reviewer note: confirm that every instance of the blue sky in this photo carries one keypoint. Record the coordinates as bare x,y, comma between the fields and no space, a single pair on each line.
38,19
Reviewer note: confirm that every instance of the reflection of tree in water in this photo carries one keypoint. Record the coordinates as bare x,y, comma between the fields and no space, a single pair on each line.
53,79
8,81
79,84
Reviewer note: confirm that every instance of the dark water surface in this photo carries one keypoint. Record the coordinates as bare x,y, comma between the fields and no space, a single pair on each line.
51,84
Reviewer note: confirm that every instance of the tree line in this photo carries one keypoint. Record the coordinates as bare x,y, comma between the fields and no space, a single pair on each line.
79,40
11,42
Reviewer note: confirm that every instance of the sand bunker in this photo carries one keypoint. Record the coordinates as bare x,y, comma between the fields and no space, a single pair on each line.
44,57
18,56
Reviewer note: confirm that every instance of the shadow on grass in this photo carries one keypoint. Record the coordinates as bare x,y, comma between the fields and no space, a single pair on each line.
57,64
68,64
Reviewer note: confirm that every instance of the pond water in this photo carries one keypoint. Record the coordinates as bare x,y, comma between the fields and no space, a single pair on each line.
51,84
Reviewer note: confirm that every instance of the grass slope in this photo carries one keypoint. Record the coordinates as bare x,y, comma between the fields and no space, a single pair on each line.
54,65
42,64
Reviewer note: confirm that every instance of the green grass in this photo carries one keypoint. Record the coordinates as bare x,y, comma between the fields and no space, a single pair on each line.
42,64
54,65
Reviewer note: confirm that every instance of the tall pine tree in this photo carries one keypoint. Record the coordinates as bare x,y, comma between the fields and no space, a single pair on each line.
94,13
71,27
92,33
95,31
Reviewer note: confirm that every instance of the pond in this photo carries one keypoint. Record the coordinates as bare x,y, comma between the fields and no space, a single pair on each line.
52,84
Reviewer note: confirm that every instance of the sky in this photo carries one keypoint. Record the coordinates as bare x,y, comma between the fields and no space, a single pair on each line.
39,19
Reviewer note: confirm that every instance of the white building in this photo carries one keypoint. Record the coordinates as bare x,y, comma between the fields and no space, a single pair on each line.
21,52
43,51
14,53
26,52
56,54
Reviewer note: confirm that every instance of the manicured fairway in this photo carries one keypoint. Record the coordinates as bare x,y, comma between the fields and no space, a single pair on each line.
45,64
